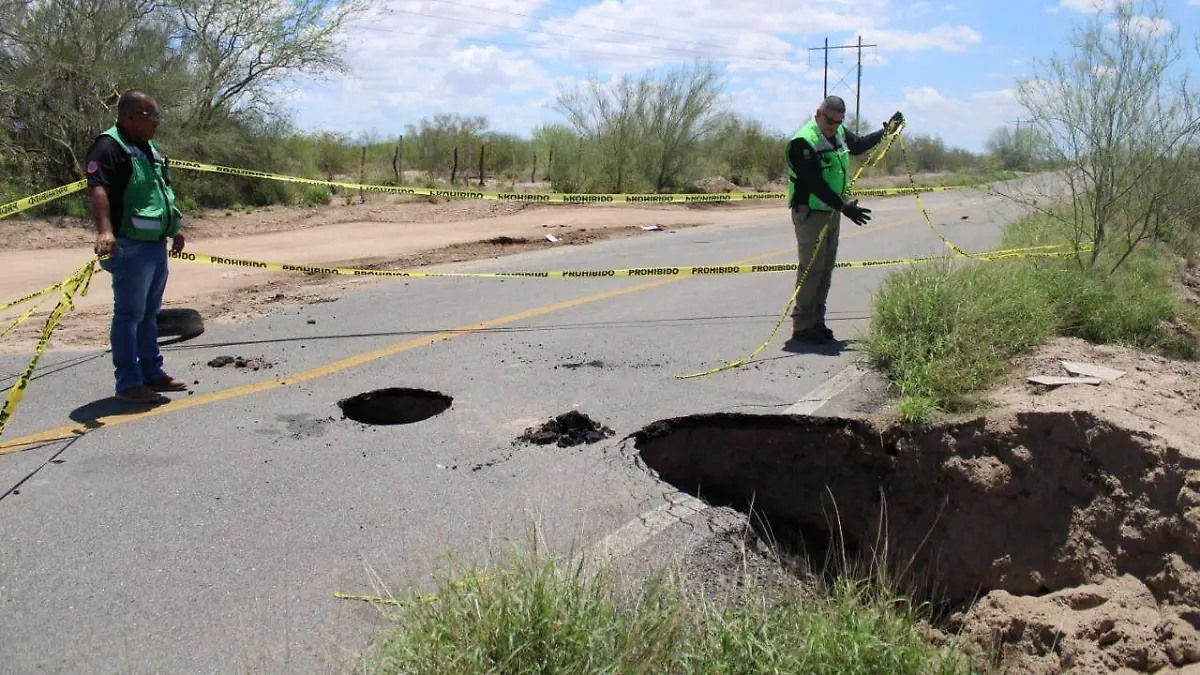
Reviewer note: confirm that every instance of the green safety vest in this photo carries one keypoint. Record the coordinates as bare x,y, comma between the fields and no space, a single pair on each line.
149,211
835,163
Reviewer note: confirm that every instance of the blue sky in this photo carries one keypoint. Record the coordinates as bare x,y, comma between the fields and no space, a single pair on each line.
949,65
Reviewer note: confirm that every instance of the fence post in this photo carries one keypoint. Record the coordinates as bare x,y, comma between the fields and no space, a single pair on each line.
454,169
397,161
533,173
362,176
482,149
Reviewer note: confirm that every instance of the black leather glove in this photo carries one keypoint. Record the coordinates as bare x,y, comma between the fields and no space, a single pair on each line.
898,118
854,212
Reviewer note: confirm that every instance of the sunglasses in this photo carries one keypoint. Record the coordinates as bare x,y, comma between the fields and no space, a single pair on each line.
830,119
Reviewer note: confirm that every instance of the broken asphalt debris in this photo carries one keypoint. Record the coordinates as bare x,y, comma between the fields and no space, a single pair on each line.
568,429
256,363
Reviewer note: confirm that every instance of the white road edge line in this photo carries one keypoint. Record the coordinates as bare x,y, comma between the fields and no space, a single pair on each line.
680,505
817,398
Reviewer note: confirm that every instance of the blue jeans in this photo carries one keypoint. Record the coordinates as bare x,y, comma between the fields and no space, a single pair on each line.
139,278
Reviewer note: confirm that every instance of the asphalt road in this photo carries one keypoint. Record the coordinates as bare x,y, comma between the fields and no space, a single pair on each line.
210,535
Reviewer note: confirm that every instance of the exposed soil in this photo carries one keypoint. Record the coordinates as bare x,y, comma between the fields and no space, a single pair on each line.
1156,395
1071,515
566,430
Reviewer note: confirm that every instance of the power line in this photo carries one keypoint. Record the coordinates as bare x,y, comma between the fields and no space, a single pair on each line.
858,89
693,52
591,28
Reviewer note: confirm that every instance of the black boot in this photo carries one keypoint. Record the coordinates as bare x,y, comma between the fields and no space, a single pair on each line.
813,335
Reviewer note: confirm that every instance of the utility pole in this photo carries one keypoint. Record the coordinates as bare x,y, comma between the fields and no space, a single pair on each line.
858,88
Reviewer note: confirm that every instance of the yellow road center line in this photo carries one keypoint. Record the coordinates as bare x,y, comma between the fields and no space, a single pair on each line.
71,430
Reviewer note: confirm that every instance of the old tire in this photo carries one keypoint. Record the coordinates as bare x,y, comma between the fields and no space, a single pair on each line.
180,322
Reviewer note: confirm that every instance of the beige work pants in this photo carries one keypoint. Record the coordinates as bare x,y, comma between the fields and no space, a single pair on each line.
810,301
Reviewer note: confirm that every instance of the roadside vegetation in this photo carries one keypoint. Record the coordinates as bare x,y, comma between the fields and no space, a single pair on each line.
537,615
1125,210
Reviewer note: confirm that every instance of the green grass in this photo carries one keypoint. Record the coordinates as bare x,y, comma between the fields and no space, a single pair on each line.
541,617
944,332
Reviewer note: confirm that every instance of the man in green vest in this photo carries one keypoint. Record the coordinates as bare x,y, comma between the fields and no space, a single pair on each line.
819,172
133,204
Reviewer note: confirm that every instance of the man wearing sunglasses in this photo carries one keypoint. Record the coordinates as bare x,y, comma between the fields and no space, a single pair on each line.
819,171
133,204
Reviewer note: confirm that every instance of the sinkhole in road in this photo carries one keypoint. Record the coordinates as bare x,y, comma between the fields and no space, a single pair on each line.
1029,504
395,405
1060,541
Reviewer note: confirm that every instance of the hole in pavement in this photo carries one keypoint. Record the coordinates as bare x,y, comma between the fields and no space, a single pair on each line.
395,406
1062,505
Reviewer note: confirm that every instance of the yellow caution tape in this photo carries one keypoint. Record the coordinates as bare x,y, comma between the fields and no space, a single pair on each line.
40,198
656,271
921,204
21,319
78,282
874,192
538,197
524,197
31,296
26,203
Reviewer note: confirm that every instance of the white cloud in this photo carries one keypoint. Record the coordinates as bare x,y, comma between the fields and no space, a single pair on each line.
961,122
1088,6
416,58
943,38
1150,27
753,35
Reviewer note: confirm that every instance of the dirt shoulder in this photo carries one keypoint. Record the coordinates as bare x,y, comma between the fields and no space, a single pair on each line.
58,233
381,233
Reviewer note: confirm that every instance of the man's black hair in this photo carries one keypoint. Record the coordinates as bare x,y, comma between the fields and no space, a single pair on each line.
130,100
834,104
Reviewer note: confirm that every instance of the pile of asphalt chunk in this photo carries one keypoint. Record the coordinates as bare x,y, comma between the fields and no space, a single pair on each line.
568,429
240,362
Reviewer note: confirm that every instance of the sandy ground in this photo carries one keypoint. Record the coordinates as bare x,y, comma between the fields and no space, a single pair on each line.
386,232
1139,611
1156,395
